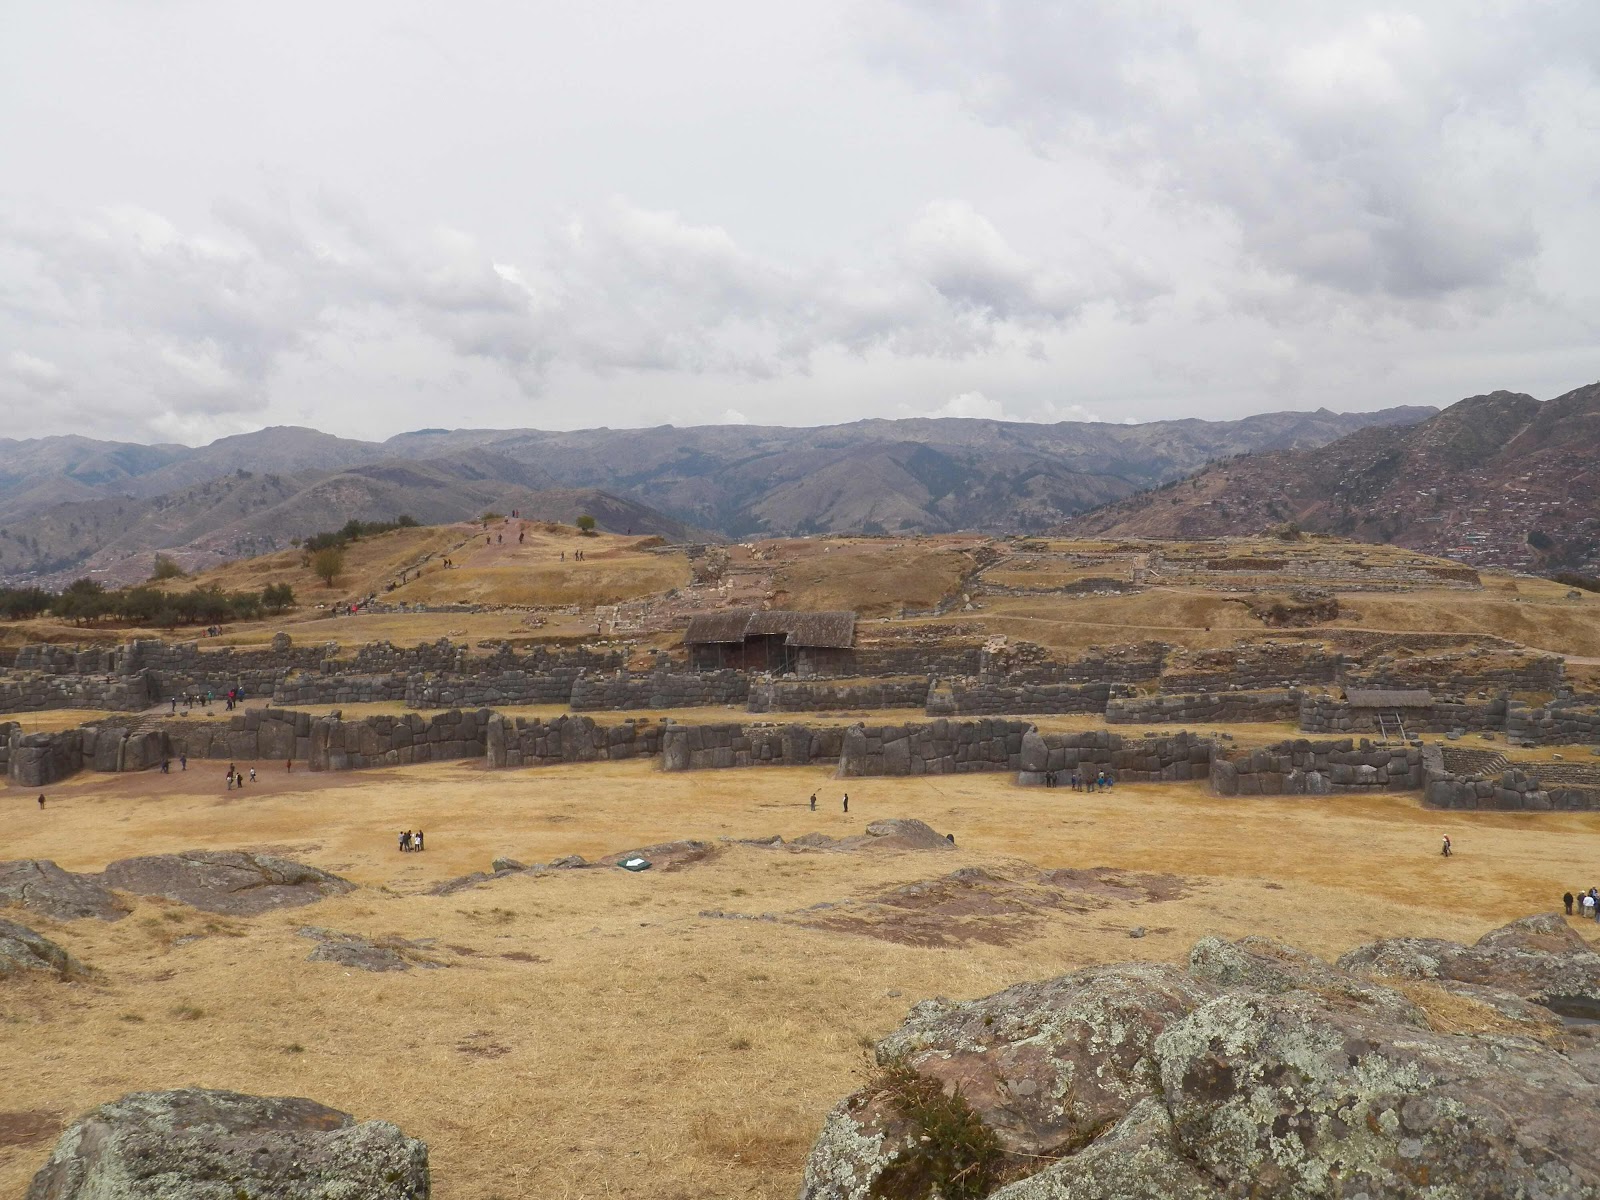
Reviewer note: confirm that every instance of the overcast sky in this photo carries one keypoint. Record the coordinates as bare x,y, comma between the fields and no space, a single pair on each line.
377,216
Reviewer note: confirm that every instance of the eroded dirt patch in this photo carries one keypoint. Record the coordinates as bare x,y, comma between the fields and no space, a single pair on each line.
996,907
28,1128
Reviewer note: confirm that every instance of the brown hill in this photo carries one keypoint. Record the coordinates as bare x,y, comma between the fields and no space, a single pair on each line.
245,513
1496,480
71,504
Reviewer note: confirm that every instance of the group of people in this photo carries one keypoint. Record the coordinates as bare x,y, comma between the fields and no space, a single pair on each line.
195,699
166,764
577,556
1101,781
1586,904
814,802
411,840
236,777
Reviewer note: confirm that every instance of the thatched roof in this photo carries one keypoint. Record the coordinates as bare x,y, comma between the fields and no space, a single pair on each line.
822,630
1388,698
726,626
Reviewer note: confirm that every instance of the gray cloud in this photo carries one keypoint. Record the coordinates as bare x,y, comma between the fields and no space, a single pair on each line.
1360,148
197,323
622,214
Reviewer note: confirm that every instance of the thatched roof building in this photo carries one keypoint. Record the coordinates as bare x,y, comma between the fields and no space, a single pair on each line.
820,643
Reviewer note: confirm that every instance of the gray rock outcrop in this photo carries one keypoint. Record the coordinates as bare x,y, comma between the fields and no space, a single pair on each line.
40,886
24,952
1259,1071
232,882
215,1145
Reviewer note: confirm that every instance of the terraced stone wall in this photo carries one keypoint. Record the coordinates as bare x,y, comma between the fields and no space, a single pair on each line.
1167,758
1201,708
804,695
975,698
940,747
1305,768
659,689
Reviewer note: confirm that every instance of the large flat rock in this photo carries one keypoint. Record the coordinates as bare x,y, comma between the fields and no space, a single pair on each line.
193,1144
225,881
40,886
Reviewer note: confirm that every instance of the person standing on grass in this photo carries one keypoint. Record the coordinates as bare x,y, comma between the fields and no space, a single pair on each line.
417,841
813,802
41,801
1588,904
1567,900
1445,849
847,802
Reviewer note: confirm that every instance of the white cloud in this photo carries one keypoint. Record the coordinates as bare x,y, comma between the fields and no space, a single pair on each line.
34,373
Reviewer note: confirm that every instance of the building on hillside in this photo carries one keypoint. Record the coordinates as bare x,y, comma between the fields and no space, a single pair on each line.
747,639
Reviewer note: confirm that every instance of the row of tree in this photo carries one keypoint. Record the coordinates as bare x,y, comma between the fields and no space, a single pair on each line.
87,601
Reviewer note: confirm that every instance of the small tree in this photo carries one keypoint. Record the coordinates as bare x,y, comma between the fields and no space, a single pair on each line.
327,563
585,523
166,567
276,597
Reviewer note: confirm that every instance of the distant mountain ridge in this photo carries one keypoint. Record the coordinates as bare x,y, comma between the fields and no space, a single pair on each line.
70,504
1500,480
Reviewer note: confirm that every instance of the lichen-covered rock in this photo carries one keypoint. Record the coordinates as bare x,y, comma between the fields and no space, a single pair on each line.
225,881
366,953
1266,965
1140,1159
213,1145
24,952
40,886
1045,1066
1284,1096
1538,958
1262,1072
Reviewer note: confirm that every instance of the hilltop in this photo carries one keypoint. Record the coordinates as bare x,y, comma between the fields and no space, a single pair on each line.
1496,480
72,505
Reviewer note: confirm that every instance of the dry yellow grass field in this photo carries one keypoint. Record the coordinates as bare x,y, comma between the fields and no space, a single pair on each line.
592,1033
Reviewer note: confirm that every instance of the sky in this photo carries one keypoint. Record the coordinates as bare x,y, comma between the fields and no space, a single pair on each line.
376,216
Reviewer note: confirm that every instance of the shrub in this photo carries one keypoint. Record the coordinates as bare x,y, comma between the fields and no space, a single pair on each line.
585,523
953,1154
166,567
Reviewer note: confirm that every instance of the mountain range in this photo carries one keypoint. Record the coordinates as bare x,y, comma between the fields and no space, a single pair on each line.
1500,480
69,505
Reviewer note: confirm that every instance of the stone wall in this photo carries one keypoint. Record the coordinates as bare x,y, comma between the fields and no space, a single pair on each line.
1328,715
28,692
787,695
38,759
1479,671
1202,708
918,660
1025,662
982,698
939,747
1307,768
568,739
706,747
1168,758
1557,724
339,688
659,689
1252,667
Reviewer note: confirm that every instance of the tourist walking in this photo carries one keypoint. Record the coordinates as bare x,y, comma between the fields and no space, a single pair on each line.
252,774
41,801
1445,849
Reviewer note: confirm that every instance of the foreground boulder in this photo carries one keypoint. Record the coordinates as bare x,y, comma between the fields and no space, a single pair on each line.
1258,1071
40,886
24,952
231,882
213,1145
